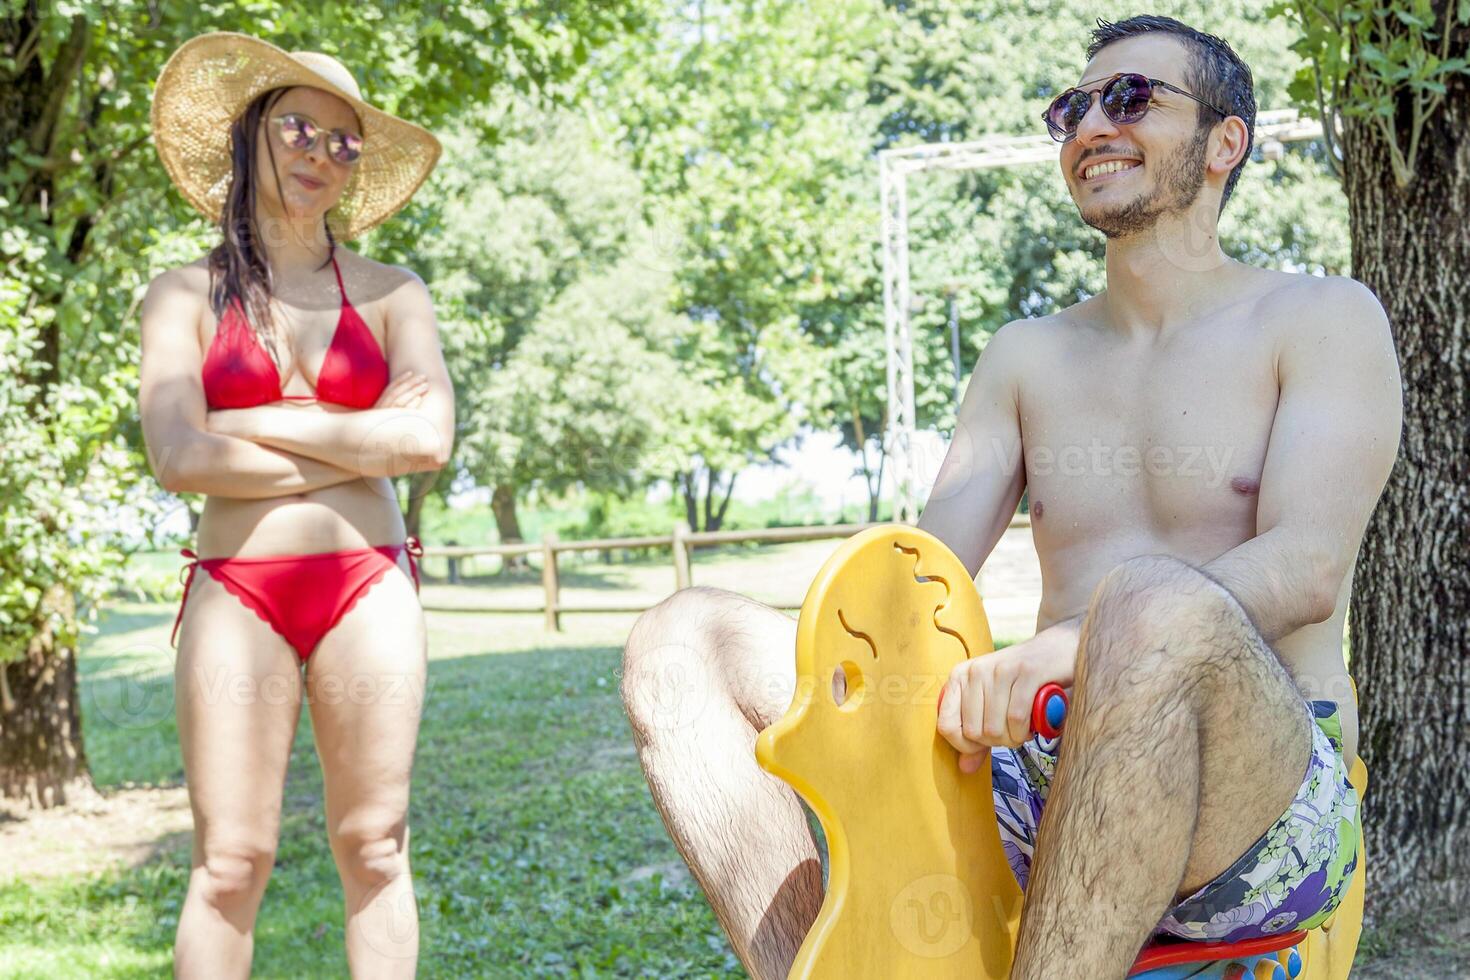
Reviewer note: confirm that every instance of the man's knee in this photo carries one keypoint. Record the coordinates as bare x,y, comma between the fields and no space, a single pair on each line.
669,660
1155,620
1155,598
686,622
687,612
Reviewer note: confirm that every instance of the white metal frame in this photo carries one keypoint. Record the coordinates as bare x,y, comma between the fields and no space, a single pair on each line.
1273,128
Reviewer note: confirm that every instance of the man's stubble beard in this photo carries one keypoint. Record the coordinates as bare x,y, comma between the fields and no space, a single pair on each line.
1180,177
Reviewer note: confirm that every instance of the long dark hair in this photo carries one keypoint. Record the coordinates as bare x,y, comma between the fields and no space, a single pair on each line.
238,271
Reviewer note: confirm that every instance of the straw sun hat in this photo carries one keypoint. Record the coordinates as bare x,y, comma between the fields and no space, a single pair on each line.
210,80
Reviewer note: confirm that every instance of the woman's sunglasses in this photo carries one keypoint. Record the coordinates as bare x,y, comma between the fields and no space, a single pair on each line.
299,133
1125,98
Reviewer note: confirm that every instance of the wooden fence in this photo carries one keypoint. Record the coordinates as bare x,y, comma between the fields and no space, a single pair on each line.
681,542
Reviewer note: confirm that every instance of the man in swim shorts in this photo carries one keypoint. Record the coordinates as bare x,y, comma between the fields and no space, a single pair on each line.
1202,444
1292,878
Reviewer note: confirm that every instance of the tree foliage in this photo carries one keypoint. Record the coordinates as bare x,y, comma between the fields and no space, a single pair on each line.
1374,62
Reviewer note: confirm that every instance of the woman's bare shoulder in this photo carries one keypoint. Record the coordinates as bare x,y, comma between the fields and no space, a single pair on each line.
175,305
374,280
386,277
182,282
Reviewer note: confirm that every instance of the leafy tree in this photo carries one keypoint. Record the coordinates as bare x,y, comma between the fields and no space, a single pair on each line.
746,121
583,400
548,310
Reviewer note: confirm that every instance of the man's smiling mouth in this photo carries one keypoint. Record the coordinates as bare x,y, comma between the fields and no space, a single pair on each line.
1108,168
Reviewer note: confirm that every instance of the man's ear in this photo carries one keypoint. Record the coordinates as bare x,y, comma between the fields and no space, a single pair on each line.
1233,137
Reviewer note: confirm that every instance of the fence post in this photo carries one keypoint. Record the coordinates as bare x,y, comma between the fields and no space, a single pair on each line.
681,555
453,565
549,581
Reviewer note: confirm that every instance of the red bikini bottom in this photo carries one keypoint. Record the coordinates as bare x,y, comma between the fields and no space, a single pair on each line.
301,596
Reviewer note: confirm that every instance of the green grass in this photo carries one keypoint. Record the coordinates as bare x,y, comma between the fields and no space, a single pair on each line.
530,818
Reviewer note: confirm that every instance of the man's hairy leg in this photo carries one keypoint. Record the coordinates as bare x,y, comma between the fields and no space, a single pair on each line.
704,672
1186,740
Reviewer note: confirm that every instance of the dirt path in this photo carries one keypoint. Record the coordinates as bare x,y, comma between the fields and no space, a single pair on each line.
127,827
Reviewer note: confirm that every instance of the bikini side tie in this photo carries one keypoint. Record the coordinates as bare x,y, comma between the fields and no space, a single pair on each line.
186,575
415,551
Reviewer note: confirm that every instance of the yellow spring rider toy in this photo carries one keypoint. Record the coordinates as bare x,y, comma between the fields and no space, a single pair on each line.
919,885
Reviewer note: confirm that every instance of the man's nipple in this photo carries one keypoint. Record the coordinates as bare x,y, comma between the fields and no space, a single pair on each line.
1037,509
1245,486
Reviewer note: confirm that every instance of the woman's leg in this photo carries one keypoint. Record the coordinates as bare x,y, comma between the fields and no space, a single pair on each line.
365,689
237,688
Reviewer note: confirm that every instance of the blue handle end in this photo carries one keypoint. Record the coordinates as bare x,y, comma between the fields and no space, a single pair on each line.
1056,710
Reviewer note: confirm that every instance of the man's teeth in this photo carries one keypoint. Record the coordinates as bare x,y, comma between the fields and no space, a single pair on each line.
1111,167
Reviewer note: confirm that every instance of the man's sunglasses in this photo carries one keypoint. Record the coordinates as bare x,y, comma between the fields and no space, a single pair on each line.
1125,98
299,133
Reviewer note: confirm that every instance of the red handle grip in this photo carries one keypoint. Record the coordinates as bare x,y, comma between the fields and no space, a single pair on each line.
1049,710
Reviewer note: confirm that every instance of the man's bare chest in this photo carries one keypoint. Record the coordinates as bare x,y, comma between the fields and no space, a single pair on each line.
1153,439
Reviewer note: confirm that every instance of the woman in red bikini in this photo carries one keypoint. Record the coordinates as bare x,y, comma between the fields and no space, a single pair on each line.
286,379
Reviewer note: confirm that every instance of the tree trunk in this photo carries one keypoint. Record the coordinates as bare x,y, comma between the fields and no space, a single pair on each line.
687,487
711,480
719,516
503,504
42,760
1410,614
689,484
873,482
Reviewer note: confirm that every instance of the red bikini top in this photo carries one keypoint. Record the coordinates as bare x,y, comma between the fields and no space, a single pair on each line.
238,373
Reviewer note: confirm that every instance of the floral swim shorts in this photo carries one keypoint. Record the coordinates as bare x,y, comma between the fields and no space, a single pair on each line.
1292,878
